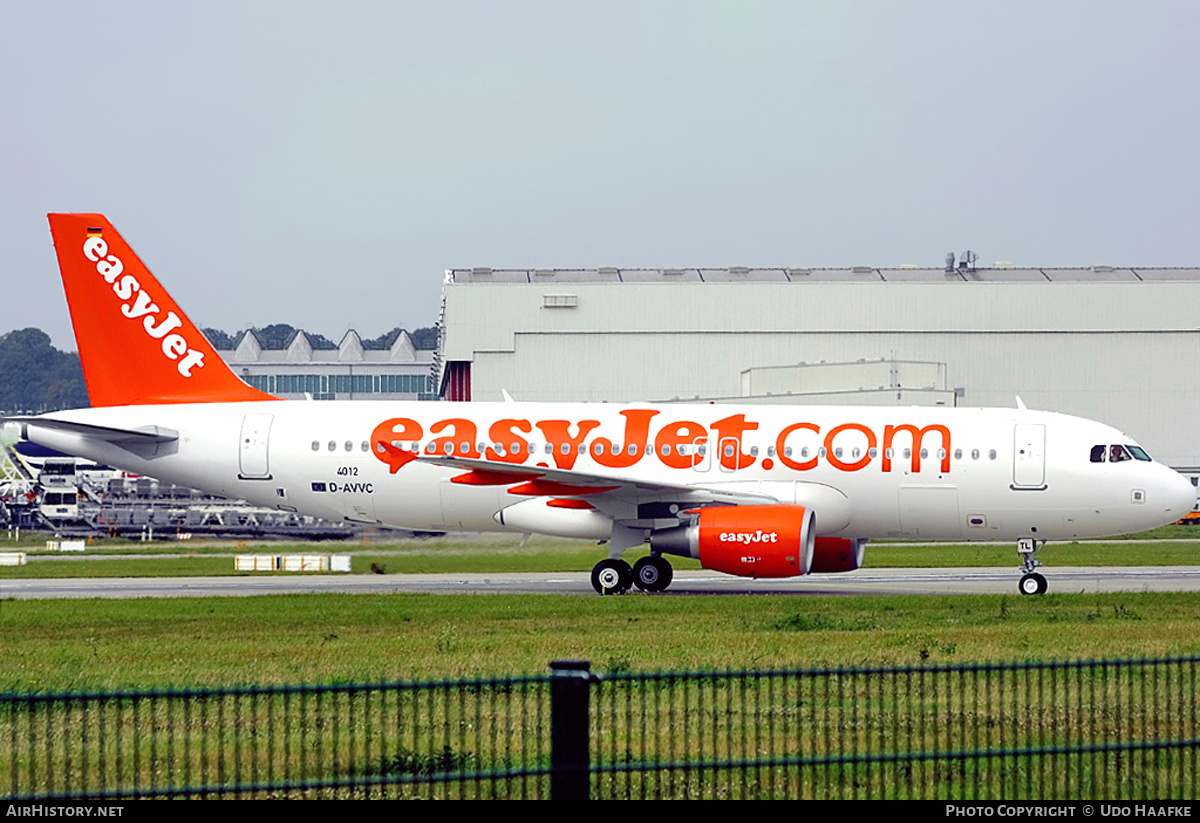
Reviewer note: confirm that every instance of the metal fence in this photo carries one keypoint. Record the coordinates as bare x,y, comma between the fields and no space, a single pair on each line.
1115,729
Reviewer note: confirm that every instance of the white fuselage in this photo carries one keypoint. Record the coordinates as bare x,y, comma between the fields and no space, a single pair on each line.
869,472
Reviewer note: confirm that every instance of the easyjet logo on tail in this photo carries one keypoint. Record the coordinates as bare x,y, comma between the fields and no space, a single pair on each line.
139,305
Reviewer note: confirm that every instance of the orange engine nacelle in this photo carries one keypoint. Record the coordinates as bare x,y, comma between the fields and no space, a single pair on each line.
750,541
838,554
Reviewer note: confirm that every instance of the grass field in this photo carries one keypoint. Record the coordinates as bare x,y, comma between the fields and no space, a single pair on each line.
54,645
58,645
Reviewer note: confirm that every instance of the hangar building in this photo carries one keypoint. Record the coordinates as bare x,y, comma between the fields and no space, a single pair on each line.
1109,344
349,372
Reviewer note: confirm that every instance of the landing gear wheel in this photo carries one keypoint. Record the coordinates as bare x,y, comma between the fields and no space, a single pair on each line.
652,574
1031,581
612,576
1033,584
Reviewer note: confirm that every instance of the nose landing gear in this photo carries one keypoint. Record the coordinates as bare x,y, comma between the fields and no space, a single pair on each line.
1031,582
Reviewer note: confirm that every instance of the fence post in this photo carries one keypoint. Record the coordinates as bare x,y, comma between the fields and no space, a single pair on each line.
570,693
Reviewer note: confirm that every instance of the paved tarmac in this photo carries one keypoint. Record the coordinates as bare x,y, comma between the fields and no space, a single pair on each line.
862,582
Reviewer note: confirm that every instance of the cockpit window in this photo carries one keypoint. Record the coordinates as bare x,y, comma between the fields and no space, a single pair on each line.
1098,453
1139,453
1117,454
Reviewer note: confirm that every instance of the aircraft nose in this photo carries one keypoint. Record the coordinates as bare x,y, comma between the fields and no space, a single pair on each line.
1178,495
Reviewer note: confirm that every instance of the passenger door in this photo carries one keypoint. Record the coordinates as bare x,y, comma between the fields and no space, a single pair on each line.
1029,456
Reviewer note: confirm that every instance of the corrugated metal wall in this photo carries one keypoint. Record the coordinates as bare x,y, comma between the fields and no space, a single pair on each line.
1116,352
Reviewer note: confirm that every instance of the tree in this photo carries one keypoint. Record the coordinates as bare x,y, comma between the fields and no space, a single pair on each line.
36,377
219,339
384,341
426,339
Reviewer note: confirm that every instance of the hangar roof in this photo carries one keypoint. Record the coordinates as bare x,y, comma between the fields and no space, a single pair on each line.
858,274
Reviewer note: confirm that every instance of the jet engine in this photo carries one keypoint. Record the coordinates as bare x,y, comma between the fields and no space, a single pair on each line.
750,541
838,554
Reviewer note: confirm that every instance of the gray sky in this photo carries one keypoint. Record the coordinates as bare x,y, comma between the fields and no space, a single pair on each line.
321,164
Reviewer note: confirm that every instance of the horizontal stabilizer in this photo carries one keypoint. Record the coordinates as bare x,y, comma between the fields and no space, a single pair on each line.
144,441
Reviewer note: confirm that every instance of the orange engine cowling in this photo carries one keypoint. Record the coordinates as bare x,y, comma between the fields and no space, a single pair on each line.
750,541
838,554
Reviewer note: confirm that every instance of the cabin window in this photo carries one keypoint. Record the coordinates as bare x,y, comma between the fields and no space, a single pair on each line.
770,451
349,446
332,446
873,452
316,445
992,454
754,451
974,454
958,454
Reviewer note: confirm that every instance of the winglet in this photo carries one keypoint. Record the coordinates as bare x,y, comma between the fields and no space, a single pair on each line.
136,344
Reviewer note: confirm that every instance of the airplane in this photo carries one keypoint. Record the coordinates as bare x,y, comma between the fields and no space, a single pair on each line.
756,491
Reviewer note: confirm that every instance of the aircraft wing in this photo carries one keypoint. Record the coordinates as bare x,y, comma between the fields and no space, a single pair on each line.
603,490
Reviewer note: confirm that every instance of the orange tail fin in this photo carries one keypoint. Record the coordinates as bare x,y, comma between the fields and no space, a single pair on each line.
136,345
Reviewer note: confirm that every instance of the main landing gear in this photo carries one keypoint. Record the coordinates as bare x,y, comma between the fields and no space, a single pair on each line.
1031,582
614,576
